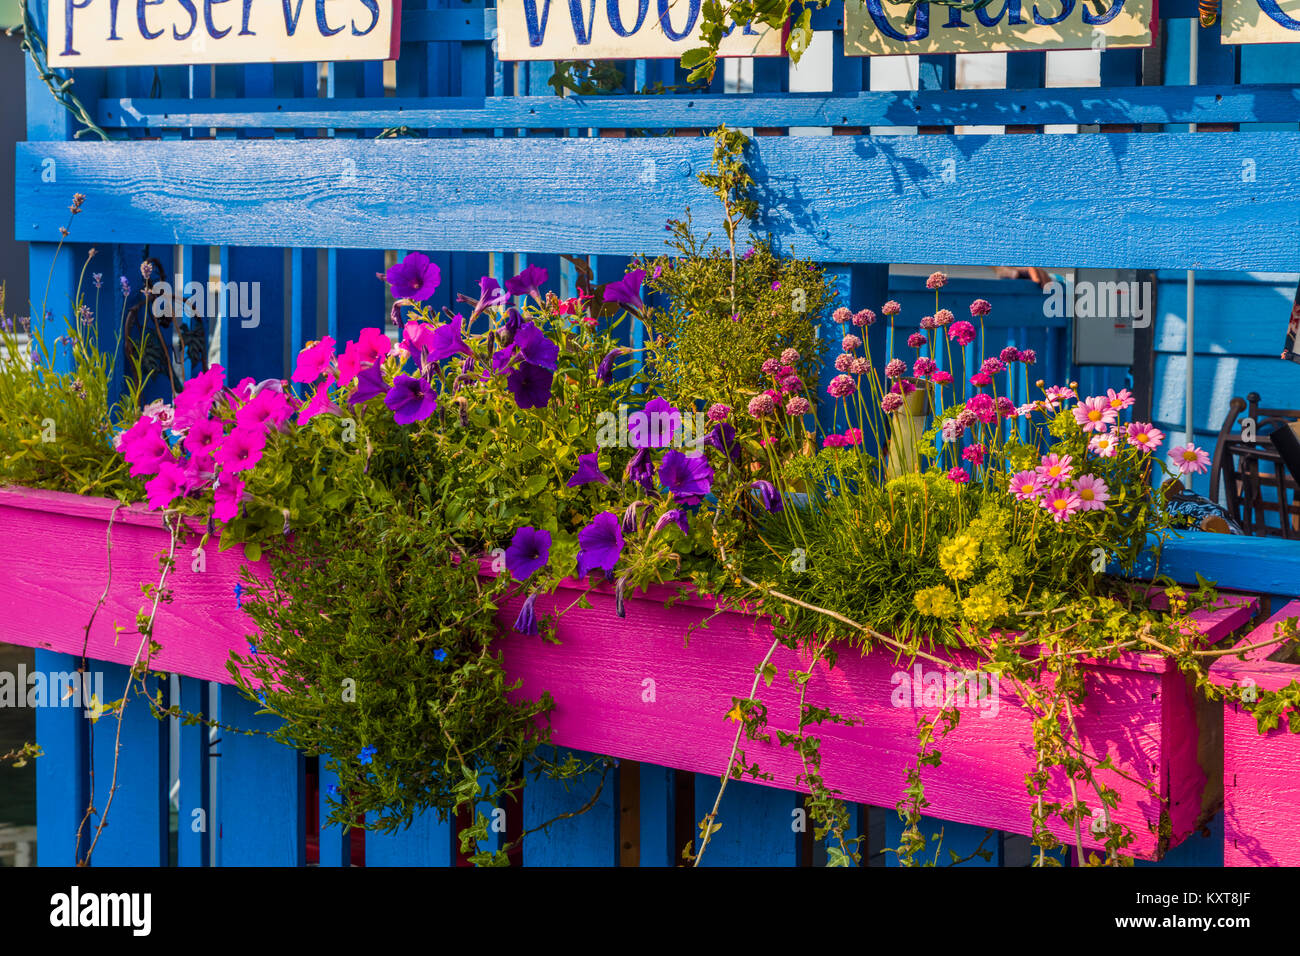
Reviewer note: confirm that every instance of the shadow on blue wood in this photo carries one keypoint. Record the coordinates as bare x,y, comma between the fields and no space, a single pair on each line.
761,826
1199,849
427,842
589,839
657,812
945,839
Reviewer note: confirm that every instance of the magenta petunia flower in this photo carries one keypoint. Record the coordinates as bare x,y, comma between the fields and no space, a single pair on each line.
600,544
416,277
314,360
1189,459
1094,414
1060,503
196,398
171,483
241,450
203,438
530,549
980,307
411,399
963,333
267,409
687,477
958,476
320,402
1055,470
528,282
1144,436
1093,493
1026,486
145,450
588,471
627,290
370,382
227,495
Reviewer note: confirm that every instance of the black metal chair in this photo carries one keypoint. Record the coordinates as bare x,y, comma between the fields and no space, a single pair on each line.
1248,469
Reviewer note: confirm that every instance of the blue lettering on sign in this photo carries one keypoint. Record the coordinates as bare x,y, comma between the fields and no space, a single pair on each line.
188,6
581,28
112,21
321,25
954,19
67,26
1013,16
243,24
1067,7
616,18
207,19
373,7
1275,14
1106,17
693,10
291,16
139,17
876,9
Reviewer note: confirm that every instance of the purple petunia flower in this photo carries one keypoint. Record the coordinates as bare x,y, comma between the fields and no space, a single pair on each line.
530,549
415,277
600,544
723,438
410,399
627,290
446,341
588,471
526,621
605,371
530,385
768,494
370,382
532,343
641,469
653,426
528,282
675,516
490,295
687,477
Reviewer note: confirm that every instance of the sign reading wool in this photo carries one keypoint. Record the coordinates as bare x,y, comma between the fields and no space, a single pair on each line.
178,32
1261,21
880,27
617,29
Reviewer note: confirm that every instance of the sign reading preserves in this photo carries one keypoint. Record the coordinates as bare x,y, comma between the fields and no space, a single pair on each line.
617,29
179,32
880,28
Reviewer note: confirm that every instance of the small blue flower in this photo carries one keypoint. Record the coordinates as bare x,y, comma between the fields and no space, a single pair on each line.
367,755
252,648
332,790
239,590
440,655
262,698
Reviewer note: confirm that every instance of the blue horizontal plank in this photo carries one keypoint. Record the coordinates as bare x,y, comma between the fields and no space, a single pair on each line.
1087,105
1106,200
448,26
1234,562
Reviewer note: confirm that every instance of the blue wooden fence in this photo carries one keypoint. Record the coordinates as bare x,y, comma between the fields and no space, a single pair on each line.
274,174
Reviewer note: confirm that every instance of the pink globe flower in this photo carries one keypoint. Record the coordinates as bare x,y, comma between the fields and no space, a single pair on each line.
928,324
718,412
843,316
1093,493
761,405
924,366
1055,470
843,362
1028,356
853,436
891,403
1026,486
1061,503
937,280
943,317
864,318
958,476
841,386
980,307
891,308
789,357
974,454
916,340
896,368
860,366
981,406
1095,414
1010,354
967,418
952,430
1189,459
834,441
851,343
963,333
771,366
981,379
797,406
993,365
1005,407
941,378
1144,436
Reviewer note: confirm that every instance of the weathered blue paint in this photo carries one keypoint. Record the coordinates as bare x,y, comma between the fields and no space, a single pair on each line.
760,825
590,839
194,814
428,841
61,783
949,844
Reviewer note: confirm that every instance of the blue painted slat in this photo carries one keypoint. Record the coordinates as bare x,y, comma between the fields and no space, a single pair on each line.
194,820
1197,850
1114,105
1236,562
589,839
657,813
758,824
253,345
135,823
263,800
946,838
61,790
334,841
427,842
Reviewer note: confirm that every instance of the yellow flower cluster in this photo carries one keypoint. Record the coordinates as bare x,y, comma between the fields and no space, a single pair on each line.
983,603
959,556
937,601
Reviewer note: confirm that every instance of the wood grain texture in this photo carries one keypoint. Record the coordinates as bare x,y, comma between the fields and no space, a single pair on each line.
836,198
428,841
590,839
635,688
1114,105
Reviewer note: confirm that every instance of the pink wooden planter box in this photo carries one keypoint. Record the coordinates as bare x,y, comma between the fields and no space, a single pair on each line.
635,688
1261,773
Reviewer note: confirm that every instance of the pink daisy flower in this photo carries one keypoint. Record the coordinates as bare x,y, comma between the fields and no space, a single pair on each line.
1189,459
1093,493
1095,414
1055,470
1120,400
1107,445
1026,486
1056,394
1145,436
1061,503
